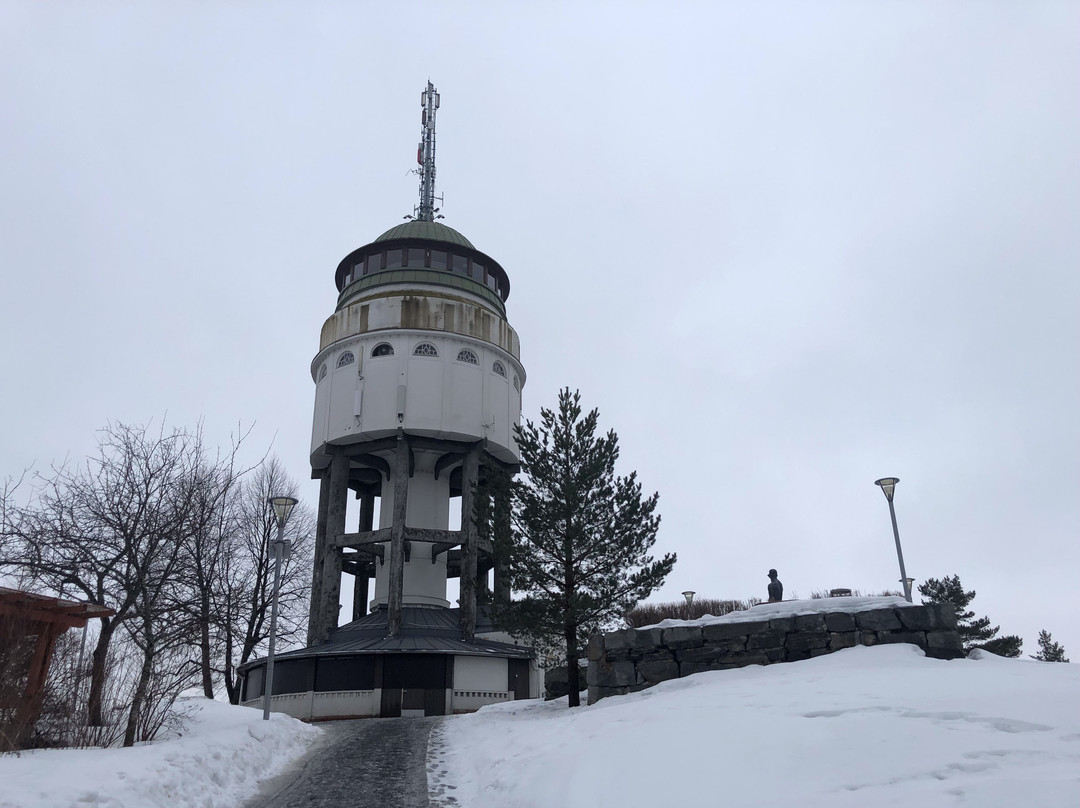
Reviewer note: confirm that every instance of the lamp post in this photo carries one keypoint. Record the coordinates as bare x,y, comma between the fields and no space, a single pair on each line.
689,595
282,507
888,486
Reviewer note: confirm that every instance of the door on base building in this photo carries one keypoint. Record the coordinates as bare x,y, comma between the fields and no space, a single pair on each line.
415,684
517,677
391,702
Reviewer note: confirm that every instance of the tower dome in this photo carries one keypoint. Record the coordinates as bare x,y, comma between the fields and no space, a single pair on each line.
426,231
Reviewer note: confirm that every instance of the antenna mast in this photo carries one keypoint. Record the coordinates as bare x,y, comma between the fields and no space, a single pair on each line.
425,155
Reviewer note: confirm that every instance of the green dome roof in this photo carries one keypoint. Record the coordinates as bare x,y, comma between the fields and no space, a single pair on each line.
432,231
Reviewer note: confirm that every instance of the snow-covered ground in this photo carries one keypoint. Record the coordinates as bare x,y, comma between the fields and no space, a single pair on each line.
874,726
217,763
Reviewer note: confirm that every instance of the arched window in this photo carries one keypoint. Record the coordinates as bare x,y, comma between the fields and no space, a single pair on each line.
346,358
322,372
465,355
517,383
499,368
383,349
425,349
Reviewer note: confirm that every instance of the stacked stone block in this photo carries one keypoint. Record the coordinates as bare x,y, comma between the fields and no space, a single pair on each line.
632,659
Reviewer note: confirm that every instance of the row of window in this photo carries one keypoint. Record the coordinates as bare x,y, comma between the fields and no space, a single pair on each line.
422,349
425,257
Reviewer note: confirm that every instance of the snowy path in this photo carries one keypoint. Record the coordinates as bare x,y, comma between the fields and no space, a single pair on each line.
371,763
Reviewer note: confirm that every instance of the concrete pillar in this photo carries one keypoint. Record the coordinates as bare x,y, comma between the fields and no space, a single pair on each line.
360,591
367,510
396,578
330,597
315,610
360,580
470,473
500,542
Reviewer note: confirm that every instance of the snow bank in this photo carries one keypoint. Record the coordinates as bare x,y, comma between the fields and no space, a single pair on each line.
879,726
218,762
790,608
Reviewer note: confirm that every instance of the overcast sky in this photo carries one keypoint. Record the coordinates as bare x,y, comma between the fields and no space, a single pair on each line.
785,248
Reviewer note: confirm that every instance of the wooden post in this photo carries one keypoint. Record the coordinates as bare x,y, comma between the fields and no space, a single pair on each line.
470,473
397,536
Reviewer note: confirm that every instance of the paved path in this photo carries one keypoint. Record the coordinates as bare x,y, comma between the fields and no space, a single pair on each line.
370,763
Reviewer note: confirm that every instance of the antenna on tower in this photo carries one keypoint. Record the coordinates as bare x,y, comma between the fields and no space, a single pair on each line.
425,156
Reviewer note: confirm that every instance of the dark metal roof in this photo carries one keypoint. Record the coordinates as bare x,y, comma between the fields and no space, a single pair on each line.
430,231
424,630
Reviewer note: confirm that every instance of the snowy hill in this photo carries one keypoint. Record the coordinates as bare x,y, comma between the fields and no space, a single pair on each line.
223,755
867,726
874,726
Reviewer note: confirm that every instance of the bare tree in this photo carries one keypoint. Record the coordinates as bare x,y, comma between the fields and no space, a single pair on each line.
245,586
176,540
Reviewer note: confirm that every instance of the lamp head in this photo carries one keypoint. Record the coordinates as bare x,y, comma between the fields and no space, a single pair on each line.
689,595
888,484
283,508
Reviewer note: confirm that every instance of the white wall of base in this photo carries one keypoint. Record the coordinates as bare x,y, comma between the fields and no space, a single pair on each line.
479,673
468,701
331,704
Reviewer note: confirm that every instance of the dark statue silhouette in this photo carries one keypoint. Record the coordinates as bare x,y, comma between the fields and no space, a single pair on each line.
776,589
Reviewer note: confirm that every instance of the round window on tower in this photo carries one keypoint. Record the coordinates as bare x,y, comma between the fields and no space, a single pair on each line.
499,368
383,349
465,355
346,358
322,372
425,349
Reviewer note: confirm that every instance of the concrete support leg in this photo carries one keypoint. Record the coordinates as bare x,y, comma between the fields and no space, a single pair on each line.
470,473
317,566
360,592
330,603
360,580
397,536
501,541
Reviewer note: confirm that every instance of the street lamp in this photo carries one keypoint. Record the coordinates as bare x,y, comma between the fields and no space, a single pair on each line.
888,487
282,507
689,595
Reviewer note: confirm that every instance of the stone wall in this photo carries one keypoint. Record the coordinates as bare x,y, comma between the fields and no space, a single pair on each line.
632,659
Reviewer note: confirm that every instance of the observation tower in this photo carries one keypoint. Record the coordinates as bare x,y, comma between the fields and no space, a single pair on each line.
418,383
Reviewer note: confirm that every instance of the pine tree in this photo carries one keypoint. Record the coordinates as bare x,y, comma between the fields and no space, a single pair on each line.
1049,651
976,633
581,534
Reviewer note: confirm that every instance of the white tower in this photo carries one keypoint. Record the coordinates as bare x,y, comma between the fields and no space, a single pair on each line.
418,375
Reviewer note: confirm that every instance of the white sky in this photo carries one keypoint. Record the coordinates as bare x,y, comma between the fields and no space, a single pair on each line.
785,248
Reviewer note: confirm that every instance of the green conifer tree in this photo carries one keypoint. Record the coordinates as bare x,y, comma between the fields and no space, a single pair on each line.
1049,651
975,632
581,535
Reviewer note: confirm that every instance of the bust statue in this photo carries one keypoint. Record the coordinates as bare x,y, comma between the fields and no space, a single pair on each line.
776,589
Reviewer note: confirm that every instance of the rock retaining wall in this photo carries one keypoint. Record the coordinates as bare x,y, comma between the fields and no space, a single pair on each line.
632,659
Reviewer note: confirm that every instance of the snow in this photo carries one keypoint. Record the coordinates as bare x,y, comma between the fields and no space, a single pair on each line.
877,726
790,608
881,726
219,761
